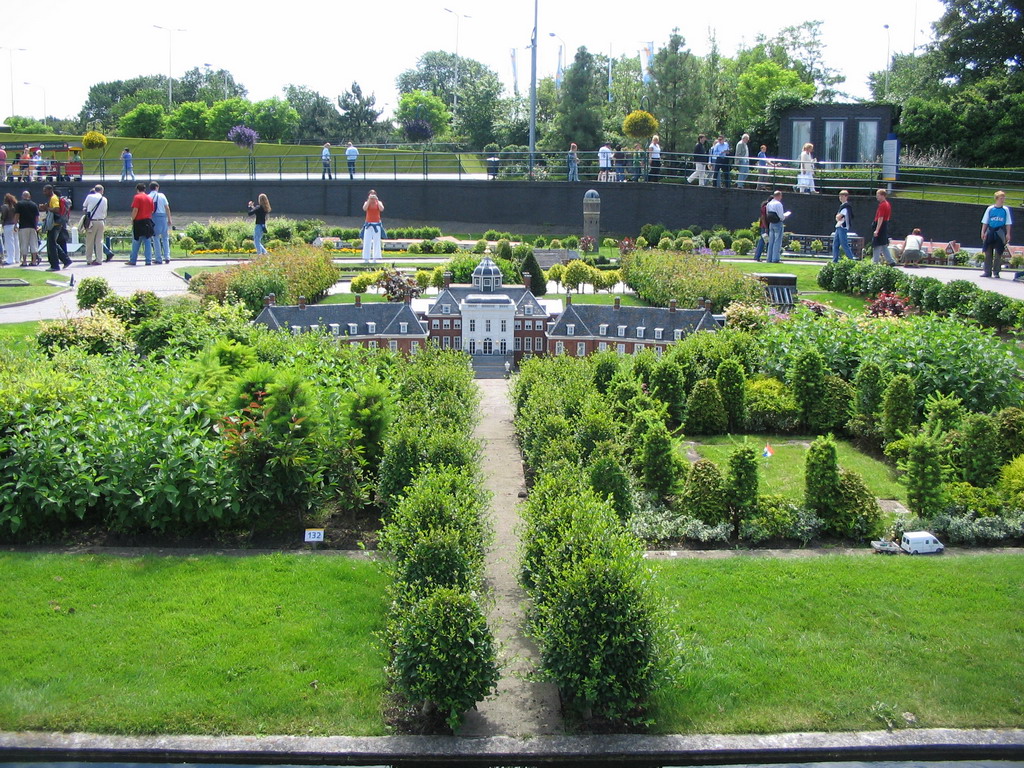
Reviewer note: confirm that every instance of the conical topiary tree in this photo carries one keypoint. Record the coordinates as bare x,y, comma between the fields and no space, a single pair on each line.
538,284
703,495
705,412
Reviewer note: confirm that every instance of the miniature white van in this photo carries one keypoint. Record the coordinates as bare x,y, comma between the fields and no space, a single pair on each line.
920,543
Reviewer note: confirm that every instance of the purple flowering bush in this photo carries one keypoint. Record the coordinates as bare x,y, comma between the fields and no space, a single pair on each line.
243,136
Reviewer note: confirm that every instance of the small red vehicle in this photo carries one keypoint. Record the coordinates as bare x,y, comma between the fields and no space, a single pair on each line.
56,161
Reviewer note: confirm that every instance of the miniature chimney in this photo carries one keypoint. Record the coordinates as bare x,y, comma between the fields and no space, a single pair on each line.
302,302
266,300
700,303
618,302
408,299
526,279
707,305
359,300
568,299
672,305
273,299
447,279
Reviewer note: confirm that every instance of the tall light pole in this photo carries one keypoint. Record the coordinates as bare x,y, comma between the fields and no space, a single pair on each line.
10,70
533,90
888,58
170,48
458,18
37,85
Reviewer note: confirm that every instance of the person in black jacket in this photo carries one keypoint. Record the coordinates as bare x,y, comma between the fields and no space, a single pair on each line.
260,211
700,161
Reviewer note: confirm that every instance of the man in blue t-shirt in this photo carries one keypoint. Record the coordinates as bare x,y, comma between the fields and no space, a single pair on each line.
995,234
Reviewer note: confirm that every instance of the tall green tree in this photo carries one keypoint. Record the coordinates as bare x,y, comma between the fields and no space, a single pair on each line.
578,117
225,115
979,38
108,101
146,121
187,121
359,115
756,86
318,116
274,119
423,105
678,97
208,86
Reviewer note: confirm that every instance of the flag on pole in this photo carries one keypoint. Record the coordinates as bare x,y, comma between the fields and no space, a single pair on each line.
515,74
646,62
767,452
559,72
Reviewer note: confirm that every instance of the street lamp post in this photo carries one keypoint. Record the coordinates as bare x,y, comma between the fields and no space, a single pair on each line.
37,85
10,70
888,58
533,90
458,18
170,48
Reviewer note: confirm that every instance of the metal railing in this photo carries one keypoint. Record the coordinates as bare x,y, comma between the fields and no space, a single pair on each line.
973,185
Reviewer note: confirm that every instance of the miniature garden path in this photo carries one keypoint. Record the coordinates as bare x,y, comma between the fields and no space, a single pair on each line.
521,708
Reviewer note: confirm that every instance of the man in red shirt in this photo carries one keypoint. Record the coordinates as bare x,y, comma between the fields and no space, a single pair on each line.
880,235
142,225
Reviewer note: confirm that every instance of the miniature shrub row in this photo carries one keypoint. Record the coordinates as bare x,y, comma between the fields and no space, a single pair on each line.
958,298
660,276
288,273
443,657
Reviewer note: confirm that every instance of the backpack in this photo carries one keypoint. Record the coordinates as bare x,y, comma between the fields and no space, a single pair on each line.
65,210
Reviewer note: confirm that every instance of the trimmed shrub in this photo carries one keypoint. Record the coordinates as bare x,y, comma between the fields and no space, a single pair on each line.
444,655
899,408
807,378
922,470
979,455
705,411
703,495
771,406
90,291
610,481
859,515
1010,422
837,405
97,334
822,494
659,466
732,385
741,487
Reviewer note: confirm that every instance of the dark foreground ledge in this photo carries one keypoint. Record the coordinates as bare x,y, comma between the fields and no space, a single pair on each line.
633,750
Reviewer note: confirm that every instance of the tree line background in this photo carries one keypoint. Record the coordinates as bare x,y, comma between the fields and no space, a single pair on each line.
961,97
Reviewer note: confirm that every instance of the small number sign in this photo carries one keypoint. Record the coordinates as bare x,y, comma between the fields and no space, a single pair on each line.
314,534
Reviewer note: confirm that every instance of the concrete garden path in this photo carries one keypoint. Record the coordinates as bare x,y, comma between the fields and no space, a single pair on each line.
522,708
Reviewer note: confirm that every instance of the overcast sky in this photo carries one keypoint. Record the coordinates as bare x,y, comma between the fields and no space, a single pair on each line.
327,45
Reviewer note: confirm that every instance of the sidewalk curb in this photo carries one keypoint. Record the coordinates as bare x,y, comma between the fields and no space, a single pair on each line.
702,749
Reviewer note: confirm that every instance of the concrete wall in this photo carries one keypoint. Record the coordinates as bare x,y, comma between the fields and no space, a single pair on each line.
544,206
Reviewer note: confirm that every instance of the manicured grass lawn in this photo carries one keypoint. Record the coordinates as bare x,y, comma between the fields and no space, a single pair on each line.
783,473
628,299
348,298
267,644
840,643
36,289
18,334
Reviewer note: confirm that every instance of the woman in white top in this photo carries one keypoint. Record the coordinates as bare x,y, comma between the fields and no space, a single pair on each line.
805,178
654,155
913,248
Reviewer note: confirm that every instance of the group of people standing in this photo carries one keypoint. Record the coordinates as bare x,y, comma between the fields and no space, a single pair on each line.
618,164
713,163
351,155
25,220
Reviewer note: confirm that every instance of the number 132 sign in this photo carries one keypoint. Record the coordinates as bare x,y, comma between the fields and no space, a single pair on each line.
314,534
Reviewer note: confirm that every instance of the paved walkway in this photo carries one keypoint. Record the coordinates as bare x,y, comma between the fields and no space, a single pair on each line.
124,280
521,708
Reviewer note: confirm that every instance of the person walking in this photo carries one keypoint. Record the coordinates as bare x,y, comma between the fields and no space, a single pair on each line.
3,162
805,176
762,236
351,155
325,160
28,230
654,153
142,225
161,224
373,228
742,160
127,165
9,217
996,225
700,161
54,227
844,223
95,207
260,211
572,163
776,216
604,162
721,161
880,230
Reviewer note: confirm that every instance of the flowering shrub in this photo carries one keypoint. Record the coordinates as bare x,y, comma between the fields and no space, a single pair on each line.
94,140
746,317
626,246
817,307
243,136
889,305
588,244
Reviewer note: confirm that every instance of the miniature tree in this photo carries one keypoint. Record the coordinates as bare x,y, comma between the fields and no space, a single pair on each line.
704,493
821,478
741,487
732,385
898,407
705,412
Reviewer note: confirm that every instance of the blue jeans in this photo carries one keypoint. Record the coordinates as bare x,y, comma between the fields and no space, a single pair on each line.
257,238
841,240
775,232
148,251
574,172
762,246
161,238
742,171
127,172
351,169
